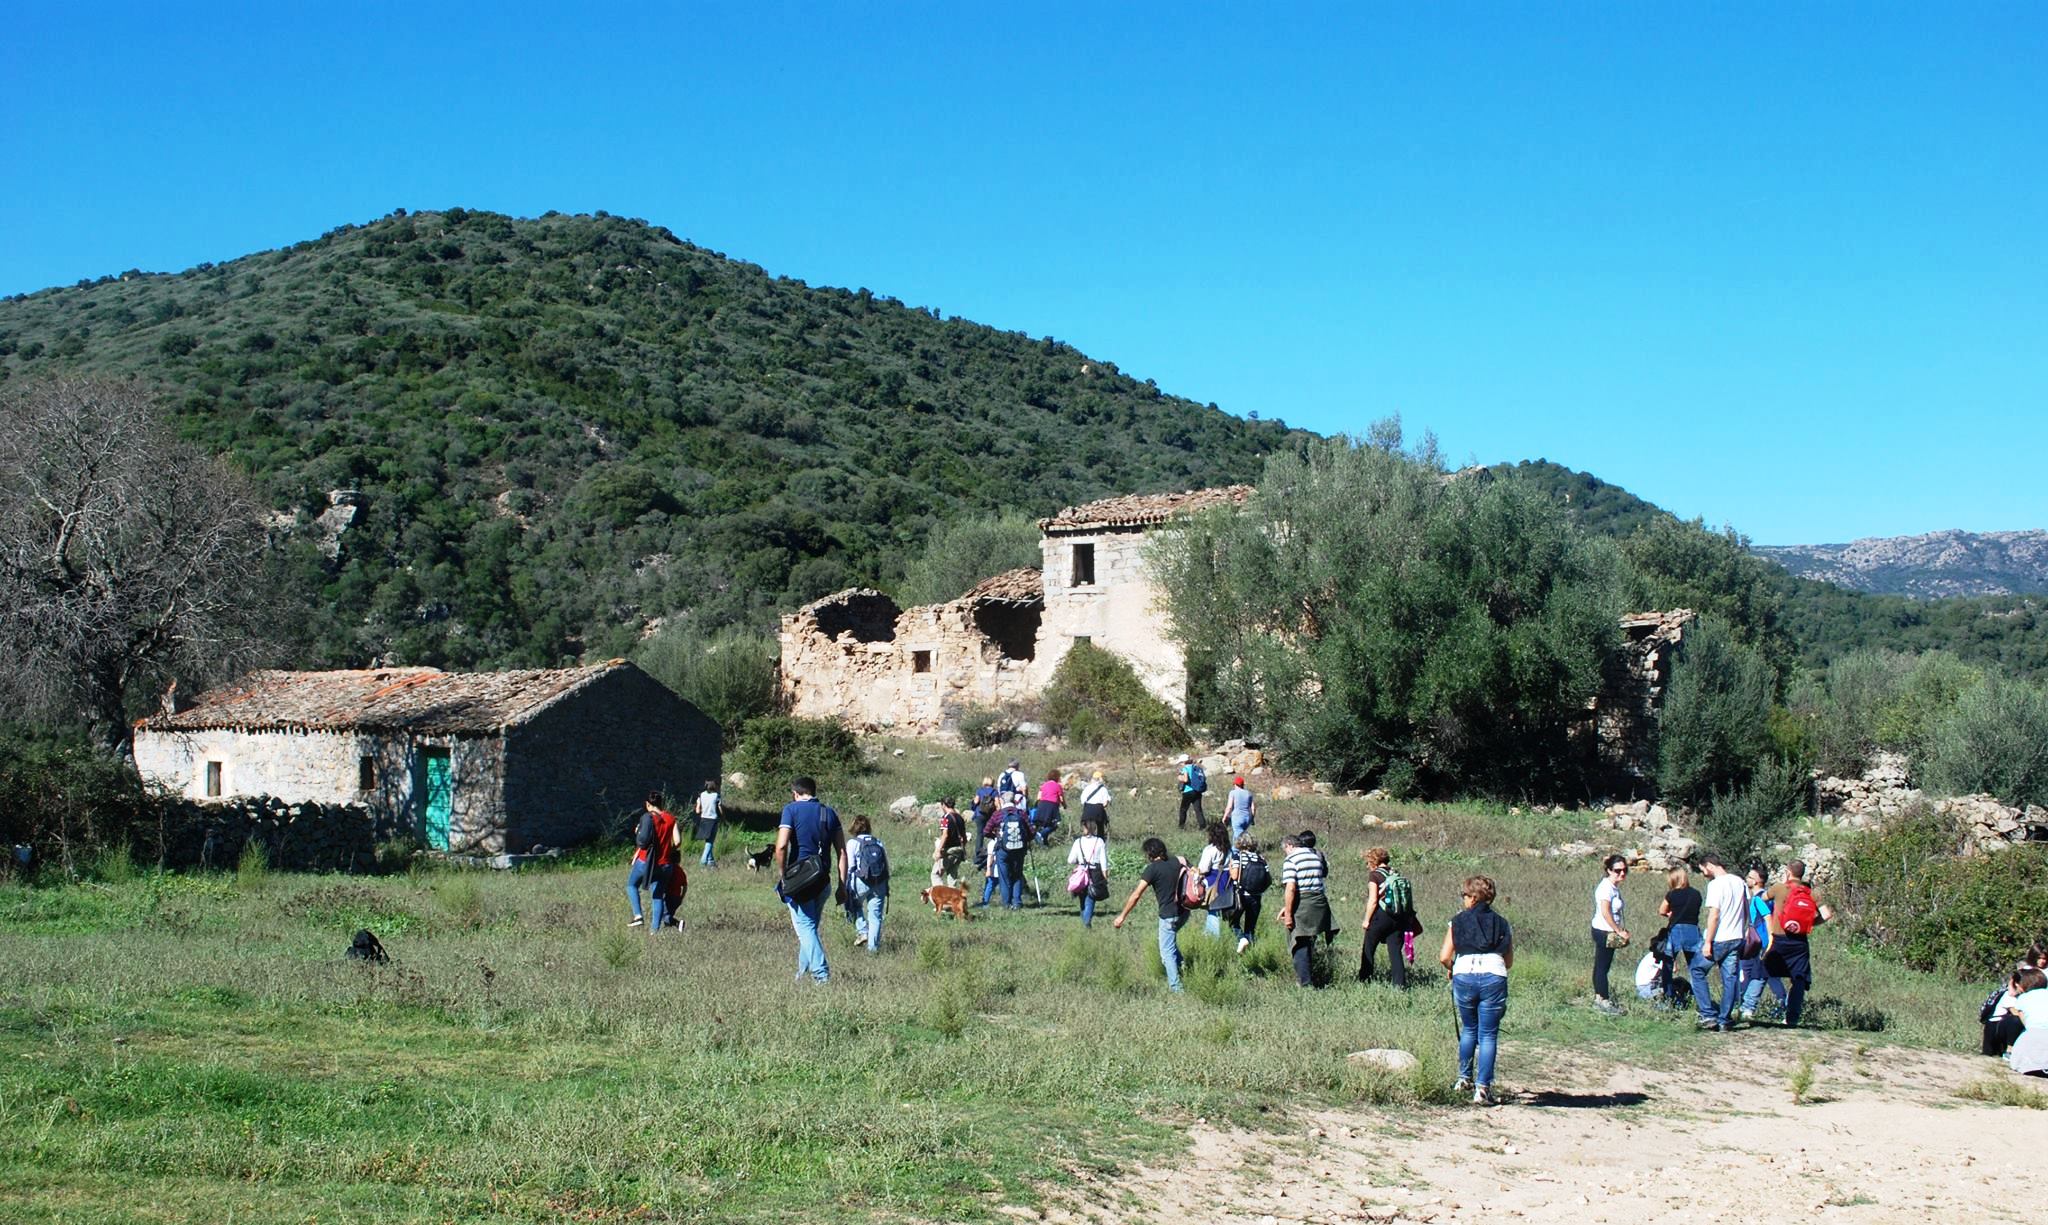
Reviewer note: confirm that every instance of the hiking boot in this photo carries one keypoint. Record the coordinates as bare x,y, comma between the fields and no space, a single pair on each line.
1608,1007
1481,1096
1710,1023
1464,1085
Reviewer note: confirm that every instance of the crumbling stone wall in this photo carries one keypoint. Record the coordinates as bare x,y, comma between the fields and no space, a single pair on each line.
300,837
913,673
1621,723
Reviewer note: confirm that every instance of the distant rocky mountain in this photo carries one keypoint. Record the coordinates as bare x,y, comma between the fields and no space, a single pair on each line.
1927,567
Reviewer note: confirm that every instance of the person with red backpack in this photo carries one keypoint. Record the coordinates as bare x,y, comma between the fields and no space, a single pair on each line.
660,827
1165,877
1794,915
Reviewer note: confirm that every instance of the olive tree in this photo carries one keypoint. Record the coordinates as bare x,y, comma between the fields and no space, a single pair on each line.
127,557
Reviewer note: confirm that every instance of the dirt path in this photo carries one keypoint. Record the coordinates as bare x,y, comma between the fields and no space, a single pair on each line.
1885,1140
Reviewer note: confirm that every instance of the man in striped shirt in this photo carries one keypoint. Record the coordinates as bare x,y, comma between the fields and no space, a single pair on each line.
1305,912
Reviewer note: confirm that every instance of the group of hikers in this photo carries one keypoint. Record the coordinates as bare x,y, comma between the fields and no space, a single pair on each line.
1754,932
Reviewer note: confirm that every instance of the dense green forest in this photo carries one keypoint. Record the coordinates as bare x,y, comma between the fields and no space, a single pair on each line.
1817,622
566,427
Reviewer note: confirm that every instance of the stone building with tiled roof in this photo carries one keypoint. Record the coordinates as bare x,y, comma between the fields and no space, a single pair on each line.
481,762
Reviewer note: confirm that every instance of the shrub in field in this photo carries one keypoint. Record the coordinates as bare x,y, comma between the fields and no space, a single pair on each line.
1095,698
1911,894
253,867
1994,740
932,789
1715,724
68,799
729,675
984,727
1742,823
776,748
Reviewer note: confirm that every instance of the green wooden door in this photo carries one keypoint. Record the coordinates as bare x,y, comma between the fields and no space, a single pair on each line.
436,797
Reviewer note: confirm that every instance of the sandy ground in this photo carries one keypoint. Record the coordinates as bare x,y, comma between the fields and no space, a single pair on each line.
1884,1140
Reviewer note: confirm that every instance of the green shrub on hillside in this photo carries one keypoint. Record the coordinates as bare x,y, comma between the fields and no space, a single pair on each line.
777,748
69,800
1716,722
1910,893
1095,698
729,675
966,551
1994,740
1369,613
984,727
1741,824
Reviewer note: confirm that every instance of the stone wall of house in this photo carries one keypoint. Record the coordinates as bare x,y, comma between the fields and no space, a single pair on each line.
301,837
855,657
324,768
1119,611
581,767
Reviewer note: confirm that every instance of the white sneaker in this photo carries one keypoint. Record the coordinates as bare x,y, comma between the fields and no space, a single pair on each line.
636,921
1243,943
1464,1085
1480,1097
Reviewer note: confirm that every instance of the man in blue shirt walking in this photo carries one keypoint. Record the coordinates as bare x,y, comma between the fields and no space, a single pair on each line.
808,828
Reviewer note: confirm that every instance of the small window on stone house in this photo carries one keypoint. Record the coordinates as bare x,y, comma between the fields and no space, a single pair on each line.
212,780
366,773
920,661
1084,565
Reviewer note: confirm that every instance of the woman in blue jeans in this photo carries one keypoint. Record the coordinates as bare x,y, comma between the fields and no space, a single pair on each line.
1479,949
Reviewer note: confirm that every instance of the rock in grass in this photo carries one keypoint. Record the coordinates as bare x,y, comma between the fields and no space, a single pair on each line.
1386,1057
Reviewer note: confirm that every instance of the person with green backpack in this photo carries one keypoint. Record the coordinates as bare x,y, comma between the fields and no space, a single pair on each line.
1389,916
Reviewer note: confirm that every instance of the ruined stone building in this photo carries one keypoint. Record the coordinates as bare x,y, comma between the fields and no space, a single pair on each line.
855,656
482,762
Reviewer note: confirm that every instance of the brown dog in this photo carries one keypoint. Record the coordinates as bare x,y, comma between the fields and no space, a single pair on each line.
946,898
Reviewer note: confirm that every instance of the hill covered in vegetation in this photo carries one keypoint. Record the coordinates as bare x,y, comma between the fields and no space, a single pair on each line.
497,441
1929,566
1817,622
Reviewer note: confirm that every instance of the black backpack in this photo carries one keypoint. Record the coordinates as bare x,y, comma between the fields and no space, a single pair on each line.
366,947
871,863
1253,877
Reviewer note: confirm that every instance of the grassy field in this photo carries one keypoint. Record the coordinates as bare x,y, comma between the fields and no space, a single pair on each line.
179,1048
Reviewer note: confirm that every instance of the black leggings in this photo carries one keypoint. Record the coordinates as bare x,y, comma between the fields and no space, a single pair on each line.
1603,959
1386,929
1190,801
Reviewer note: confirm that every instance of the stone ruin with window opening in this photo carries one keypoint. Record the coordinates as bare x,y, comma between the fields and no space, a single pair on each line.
855,656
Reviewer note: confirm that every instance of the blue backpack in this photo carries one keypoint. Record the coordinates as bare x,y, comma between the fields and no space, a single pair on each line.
871,862
1016,831
1198,780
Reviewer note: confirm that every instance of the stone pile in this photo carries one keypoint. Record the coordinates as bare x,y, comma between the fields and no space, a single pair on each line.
1885,791
1655,842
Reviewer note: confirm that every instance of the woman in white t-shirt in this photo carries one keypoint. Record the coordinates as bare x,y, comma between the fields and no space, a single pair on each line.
1088,851
1215,856
2029,1054
1608,932
1095,798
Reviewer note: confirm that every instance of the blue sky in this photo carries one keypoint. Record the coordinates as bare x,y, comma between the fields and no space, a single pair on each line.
1784,270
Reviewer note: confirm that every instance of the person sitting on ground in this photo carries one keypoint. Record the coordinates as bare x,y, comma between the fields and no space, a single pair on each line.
1478,950
1389,916
1161,876
2029,1054
949,849
2002,1026
1216,858
1608,933
1794,915
1248,869
1090,853
1095,798
1305,902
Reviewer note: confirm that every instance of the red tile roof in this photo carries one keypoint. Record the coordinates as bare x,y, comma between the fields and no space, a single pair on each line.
1143,509
380,699
1024,585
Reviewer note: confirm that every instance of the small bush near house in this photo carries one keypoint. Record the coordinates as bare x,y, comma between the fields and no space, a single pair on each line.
69,800
1909,893
1096,699
984,727
776,748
